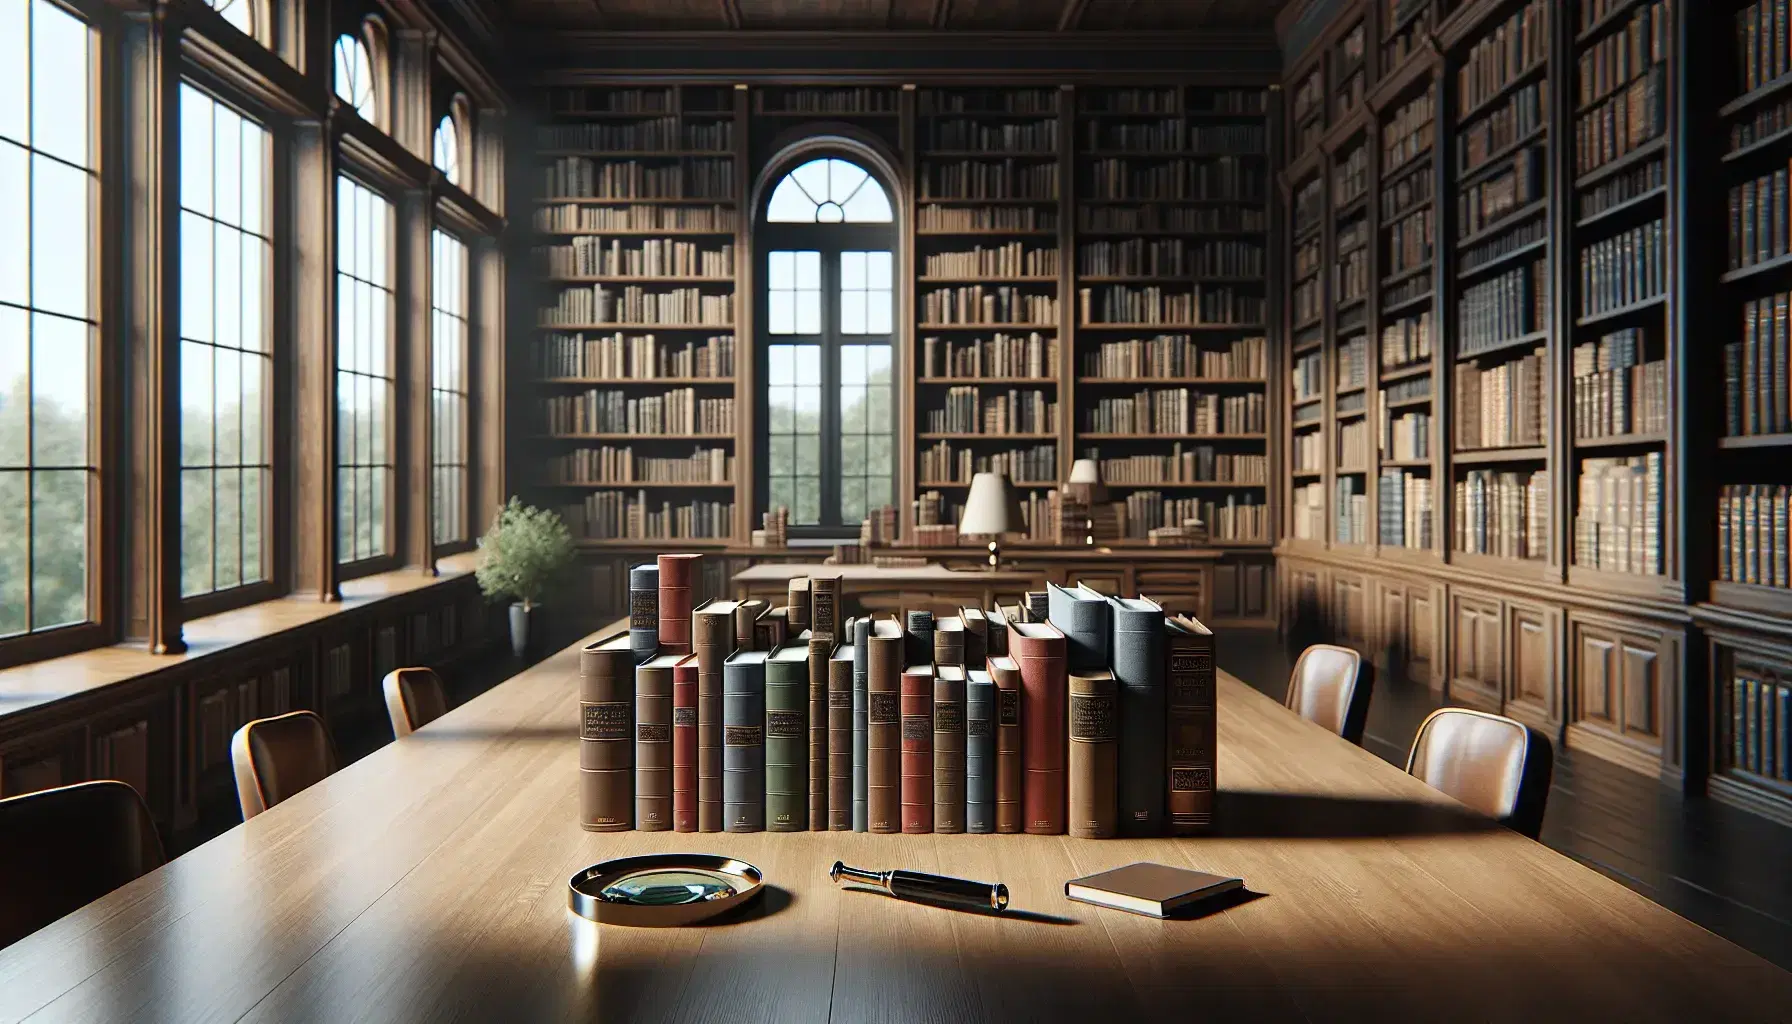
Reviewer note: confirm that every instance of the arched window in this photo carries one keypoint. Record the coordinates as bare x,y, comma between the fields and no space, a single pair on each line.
240,13
354,80
826,249
447,149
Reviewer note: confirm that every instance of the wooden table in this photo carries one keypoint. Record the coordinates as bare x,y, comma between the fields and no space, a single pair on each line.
428,882
888,588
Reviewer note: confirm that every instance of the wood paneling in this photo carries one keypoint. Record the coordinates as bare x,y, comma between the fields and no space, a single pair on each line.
1621,685
1424,634
1350,610
1475,641
1534,680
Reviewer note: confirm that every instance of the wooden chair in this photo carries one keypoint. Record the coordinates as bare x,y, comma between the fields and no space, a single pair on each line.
414,698
1491,763
1331,686
61,849
277,757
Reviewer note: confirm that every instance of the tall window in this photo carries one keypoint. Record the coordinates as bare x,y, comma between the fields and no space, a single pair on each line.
448,388
826,245
364,380
225,363
354,77
47,321
447,149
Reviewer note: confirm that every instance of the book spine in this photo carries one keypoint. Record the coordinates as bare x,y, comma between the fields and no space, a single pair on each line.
1011,773
684,747
653,749
786,746
1084,624
796,604
840,745
714,641
949,765
917,753
980,755
1042,673
1192,727
606,742
677,573
919,646
644,611
743,747
821,651
1094,757
1138,648
883,735
861,708
824,606
948,647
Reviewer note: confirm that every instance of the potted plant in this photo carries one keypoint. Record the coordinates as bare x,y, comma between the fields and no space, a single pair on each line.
521,555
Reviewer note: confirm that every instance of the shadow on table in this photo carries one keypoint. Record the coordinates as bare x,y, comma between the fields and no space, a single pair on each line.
1253,815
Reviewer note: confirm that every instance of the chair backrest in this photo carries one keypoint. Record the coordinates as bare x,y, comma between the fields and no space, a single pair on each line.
276,757
61,849
1331,686
1491,763
414,698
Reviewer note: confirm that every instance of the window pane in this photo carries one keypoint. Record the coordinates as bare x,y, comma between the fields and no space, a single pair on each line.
364,384
15,566
852,312
852,271
15,69
808,312
449,400
808,269
782,313
59,349
15,227
59,211
58,548
59,77
15,390
196,150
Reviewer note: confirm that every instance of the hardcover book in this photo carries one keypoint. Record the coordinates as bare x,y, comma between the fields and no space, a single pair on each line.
840,739
1004,673
746,618
1193,724
824,606
678,575
713,637
821,653
653,743
1094,757
684,744
1081,615
883,732
644,610
917,749
976,636
979,752
607,735
796,599
1037,607
772,629
1038,648
743,742
949,741
919,647
787,738
1150,889
1139,665
948,641
861,710
995,638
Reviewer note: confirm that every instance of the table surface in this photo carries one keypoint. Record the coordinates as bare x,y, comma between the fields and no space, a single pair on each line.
932,572
428,882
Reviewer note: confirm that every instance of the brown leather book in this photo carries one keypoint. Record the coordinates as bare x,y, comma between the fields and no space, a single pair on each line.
821,652
948,641
1038,648
772,629
976,636
917,749
713,638
607,735
746,615
796,598
995,638
948,749
653,743
840,739
678,582
684,744
883,725
1193,725
1010,772
1094,758
824,607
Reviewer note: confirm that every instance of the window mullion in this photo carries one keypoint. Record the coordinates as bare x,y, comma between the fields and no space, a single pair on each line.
830,386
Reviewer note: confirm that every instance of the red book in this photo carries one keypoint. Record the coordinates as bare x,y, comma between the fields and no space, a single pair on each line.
917,749
678,575
1039,649
684,745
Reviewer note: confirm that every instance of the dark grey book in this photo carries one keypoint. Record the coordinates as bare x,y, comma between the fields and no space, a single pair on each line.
918,647
743,742
644,611
979,752
787,737
861,642
1081,614
1138,653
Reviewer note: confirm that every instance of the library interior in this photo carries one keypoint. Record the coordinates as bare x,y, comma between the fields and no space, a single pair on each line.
1262,509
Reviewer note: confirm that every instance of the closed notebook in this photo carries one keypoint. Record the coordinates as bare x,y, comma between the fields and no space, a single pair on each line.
840,740
1150,889
979,752
743,742
712,637
948,748
917,749
787,738
653,743
607,735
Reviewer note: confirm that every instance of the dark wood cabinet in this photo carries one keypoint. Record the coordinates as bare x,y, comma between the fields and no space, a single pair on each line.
1475,647
1534,679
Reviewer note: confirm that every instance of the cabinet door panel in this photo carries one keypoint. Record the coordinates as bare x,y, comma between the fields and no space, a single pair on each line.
1533,684
1639,682
1225,591
1253,592
1421,635
1595,650
1475,643
1350,611
122,753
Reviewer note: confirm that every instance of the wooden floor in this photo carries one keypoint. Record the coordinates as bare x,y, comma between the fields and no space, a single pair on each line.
1722,868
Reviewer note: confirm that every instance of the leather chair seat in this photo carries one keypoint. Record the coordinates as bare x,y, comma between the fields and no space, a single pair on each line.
1331,687
277,757
414,698
1489,762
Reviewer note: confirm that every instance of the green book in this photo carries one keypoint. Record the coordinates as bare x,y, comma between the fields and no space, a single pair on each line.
787,737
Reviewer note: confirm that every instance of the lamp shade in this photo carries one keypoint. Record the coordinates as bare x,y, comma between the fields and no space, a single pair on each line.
991,508
1084,471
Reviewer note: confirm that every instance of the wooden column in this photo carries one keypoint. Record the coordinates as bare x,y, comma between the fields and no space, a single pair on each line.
415,415
486,377
311,207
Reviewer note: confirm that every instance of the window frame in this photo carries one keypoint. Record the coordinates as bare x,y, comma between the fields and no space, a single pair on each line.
469,421
830,239
393,555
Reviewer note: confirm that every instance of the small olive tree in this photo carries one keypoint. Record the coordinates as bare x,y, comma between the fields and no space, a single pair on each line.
523,553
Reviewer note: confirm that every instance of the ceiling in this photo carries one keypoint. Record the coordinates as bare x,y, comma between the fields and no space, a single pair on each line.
899,15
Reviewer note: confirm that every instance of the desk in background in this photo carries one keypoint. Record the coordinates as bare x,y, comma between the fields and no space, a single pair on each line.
874,588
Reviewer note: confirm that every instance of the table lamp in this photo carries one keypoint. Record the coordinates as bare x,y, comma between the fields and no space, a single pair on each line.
1085,486
990,510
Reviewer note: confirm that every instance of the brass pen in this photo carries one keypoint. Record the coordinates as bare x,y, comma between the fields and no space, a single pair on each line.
915,885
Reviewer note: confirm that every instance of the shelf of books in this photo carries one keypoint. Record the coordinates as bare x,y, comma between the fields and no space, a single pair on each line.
990,277
639,229
1309,422
1350,237
1171,189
